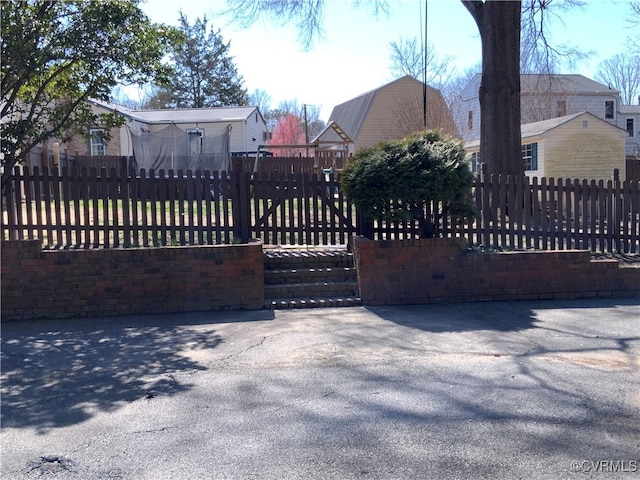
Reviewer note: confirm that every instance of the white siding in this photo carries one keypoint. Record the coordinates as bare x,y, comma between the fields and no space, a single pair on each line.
126,148
470,102
254,129
581,102
593,104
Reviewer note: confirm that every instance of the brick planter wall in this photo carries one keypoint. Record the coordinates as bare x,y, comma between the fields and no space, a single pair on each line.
441,270
40,283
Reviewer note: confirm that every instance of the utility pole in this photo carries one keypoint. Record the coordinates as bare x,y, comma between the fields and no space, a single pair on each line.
306,130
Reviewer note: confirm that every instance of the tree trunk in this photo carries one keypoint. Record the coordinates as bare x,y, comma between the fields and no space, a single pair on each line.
500,138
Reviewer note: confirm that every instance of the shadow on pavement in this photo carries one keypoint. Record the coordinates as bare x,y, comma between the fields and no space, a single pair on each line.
497,316
58,373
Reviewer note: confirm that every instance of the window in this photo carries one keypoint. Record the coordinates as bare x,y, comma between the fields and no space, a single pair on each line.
630,127
194,141
474,161
561,108
96,142
530,156
470,120
609,109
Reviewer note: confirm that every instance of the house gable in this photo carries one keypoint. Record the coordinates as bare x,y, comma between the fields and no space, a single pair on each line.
584,147
391,112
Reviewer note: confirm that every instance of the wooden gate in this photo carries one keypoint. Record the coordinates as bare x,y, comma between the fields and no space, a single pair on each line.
300,209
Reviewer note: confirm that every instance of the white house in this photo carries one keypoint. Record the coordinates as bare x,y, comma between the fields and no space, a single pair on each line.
185,134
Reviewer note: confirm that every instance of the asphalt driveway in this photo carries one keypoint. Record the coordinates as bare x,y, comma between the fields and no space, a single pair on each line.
486,390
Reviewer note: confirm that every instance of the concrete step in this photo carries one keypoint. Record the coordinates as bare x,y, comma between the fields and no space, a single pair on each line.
310,290
294,259
309,279
331,302
310,275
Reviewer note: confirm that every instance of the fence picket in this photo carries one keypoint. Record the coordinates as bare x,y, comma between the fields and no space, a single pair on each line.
635,215
124,197
610,221
136,212
17,196
29,192
307,202
296,178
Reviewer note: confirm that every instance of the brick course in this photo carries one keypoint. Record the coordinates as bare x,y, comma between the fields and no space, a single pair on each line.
40,283
441,270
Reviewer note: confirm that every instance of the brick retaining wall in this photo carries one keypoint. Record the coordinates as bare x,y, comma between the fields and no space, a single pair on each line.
441,270
40,283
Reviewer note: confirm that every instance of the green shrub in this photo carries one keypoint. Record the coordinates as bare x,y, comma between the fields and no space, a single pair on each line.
423,178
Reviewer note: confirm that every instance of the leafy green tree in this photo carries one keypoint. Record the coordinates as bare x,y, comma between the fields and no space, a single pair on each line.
422,178
205,74
58,54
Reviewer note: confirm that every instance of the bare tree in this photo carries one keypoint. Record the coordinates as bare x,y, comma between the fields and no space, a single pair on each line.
634,20
499,26
408,58
408,115
622,72
538,54
261,99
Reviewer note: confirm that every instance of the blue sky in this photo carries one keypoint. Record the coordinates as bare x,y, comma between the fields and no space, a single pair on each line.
352,56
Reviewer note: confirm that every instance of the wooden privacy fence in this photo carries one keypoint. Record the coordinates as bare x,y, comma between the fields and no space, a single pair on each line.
551,214
87,209
91,209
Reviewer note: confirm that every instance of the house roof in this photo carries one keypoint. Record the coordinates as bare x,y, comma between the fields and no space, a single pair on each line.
537,129
629,109
563,83
560,83
182,115
352,113
193,115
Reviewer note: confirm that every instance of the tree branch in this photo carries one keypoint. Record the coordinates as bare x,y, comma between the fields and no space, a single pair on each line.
475,8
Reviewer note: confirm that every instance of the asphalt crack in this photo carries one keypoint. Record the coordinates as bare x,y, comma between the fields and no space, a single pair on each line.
254,345
302,403
250,347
